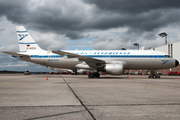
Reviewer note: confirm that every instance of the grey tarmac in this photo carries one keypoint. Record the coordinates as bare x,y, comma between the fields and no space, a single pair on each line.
32,97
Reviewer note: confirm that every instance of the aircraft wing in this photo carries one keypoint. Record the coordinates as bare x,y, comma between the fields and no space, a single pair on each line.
90,61
17,55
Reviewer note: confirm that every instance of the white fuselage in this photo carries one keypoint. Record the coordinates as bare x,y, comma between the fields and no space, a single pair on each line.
133,59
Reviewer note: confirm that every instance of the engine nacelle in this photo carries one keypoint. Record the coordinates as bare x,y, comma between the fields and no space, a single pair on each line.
114,69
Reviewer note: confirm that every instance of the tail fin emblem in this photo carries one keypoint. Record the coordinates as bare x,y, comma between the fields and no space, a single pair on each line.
22,36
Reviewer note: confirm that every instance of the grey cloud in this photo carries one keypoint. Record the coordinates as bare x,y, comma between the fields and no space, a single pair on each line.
1,30
44,18
74,35
14,10
55,16
140,17
134,7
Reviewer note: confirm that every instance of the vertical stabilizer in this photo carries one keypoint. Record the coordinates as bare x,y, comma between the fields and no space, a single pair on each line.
26,42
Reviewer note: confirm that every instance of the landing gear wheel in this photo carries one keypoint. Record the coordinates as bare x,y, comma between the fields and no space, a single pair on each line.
97,75
91,75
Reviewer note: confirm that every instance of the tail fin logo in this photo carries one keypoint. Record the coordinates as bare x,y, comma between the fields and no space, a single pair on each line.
22,36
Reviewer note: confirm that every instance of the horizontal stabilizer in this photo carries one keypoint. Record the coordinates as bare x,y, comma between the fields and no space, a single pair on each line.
17,55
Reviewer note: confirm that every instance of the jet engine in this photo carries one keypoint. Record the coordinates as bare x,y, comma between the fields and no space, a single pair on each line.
114,69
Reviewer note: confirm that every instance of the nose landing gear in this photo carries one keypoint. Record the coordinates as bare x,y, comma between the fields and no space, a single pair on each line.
154,74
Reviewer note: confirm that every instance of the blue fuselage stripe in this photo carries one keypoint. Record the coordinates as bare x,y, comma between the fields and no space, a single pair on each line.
102,56
28,43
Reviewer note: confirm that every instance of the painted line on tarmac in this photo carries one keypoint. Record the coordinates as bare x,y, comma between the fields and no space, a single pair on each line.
101,85
31,84
53,84
147,86
13,84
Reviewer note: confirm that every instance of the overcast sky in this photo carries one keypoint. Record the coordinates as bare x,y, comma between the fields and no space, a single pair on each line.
86,24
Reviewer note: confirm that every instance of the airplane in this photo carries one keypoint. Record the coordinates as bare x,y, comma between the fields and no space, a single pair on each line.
110,61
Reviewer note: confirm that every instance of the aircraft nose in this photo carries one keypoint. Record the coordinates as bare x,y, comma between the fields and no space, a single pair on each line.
176,63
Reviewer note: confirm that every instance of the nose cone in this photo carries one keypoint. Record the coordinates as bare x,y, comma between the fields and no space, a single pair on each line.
176,63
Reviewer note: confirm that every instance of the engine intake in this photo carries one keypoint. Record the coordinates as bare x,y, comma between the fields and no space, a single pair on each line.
114,69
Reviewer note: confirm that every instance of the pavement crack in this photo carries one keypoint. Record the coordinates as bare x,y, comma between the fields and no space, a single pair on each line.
79,99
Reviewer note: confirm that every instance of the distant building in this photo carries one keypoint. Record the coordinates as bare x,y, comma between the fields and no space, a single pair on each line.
174,51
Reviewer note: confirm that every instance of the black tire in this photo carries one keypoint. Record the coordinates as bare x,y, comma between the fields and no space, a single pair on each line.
91,75
97,75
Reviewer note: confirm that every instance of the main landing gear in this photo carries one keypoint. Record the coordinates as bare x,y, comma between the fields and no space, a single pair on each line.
92,75
154,74
74,72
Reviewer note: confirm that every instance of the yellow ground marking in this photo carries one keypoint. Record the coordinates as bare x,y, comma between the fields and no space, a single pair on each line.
53,84
102,85
14,84
147,86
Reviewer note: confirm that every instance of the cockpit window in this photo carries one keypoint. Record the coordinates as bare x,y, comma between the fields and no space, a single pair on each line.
167,56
